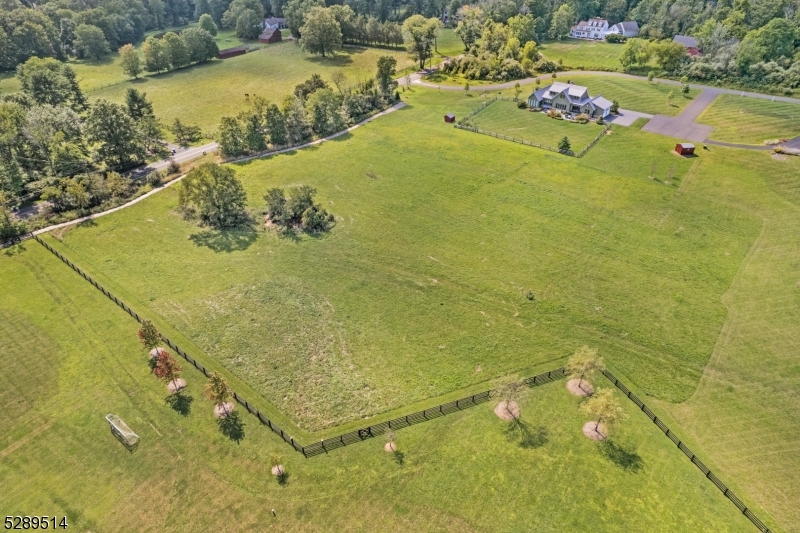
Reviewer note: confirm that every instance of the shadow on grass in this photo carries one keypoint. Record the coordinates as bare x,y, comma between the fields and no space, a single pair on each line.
232,427
283,479
90,223
225,240
622,455
399,458
526,436
338,60
180,403
14,249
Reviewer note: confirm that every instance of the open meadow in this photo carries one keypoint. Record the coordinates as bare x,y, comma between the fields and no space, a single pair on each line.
681,271
412,302
506,118
582,53
201,94
750,120
636,95
70,356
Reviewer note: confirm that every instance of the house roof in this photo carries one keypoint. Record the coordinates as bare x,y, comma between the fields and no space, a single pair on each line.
271,21
685,40
686,145
576,94
630,25
450,115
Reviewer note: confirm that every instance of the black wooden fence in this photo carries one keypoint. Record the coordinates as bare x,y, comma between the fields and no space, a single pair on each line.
326,445
425,415
692,457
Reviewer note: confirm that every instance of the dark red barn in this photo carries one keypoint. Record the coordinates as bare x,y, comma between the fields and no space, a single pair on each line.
450,117
270,36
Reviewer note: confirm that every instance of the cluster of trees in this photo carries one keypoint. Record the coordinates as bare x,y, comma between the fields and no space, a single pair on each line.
243,16
366,29
298,210
315,109
170,51
63,28
52,141
506,51
668,54
214,195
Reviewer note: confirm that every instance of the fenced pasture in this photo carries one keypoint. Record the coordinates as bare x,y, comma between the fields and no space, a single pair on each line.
750,120
501,117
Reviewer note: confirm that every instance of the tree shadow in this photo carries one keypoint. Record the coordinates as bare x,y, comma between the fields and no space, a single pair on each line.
180,403
526,436
399,457
283,479
622,455
88,223
14,249
232,427
338,60
232,240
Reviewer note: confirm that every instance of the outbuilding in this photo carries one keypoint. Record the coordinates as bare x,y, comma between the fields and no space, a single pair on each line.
684,149
232,52
450,117
270,36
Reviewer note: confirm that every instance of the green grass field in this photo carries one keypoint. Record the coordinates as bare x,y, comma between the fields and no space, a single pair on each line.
506,119
576,53
427,301
70,357
202,94
751,121
633,94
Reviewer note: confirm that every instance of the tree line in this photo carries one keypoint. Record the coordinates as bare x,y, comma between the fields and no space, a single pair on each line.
315,109
54,144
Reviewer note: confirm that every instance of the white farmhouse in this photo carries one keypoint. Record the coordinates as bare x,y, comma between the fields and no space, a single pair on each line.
597,29
570,98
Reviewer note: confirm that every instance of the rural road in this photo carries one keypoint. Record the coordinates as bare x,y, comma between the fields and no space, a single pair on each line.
197,152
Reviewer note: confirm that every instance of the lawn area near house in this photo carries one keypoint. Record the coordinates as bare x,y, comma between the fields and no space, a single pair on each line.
750,120
635,95
575,53
412,301
201,94
505,118
71,356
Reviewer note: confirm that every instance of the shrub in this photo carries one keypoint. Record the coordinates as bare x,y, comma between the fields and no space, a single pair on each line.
564,144
583,118
615,38
155,179
554,113
600,121
174,167
522,105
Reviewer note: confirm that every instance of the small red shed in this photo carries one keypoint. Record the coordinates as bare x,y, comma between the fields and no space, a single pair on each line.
450,117
232,52
270,36
684,149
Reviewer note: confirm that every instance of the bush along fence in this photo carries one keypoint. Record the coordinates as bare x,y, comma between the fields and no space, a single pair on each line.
325,445
692,457
465,124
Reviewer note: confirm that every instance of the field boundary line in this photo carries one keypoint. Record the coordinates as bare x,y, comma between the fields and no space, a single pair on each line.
692,457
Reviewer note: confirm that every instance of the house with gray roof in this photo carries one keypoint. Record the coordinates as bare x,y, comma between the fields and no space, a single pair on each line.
570,98
597,29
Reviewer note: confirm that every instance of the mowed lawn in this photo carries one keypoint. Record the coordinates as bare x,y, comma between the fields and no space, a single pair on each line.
506,118
746,411
70,357
419,290
635,95
201,94
750,120
576,53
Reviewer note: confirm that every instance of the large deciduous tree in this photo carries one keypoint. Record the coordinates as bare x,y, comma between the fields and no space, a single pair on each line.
321,33
90,41
207,23
200,44
470,24
421,33
295,12
562,21
129,61
156,55
47,81
118,141
215,195
387,70
176,50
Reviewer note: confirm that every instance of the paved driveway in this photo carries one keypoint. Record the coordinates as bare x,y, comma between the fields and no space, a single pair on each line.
626,117
684,126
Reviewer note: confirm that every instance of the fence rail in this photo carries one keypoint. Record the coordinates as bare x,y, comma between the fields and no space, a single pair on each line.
688,453
464,124
325,445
